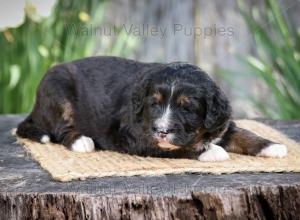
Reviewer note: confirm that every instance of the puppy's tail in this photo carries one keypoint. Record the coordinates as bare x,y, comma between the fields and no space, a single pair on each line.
28,129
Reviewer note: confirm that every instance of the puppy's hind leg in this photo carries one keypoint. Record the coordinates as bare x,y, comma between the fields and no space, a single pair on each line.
82,144
73,140
68,135
242,141
28,129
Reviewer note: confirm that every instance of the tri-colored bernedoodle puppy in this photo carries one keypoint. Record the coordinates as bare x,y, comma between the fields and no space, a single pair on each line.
150,109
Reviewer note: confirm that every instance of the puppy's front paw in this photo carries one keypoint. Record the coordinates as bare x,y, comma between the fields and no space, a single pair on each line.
45,139
273,150
214,153
83,144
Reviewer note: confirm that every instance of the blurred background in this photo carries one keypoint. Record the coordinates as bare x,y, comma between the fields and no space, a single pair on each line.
250,48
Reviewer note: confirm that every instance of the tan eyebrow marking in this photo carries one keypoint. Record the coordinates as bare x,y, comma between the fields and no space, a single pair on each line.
158,97
182,99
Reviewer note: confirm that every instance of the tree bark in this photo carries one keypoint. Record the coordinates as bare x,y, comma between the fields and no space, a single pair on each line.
280,202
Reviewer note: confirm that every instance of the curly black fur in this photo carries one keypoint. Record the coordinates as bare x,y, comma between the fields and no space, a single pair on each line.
110,100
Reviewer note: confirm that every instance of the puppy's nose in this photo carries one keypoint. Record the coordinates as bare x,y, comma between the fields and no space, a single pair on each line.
162,134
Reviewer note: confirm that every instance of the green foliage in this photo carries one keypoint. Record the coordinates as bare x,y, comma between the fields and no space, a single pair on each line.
30,49
278,62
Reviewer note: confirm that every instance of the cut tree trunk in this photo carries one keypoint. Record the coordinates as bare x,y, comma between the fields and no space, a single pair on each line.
28,192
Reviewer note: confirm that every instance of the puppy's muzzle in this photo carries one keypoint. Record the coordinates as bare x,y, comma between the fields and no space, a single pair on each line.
162,133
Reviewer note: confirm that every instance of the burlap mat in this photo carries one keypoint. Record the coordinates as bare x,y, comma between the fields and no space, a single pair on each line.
64,165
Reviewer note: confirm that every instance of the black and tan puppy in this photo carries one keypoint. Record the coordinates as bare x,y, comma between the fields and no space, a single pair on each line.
139,108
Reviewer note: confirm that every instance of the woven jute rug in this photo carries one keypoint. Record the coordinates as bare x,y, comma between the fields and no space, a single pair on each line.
65,165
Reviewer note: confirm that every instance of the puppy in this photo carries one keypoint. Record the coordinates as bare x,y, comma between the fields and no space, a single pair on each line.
150,109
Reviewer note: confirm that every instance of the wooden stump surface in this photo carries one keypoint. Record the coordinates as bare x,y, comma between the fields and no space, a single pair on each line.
28,192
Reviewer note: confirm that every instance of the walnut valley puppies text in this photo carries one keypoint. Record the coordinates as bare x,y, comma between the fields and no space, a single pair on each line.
147,30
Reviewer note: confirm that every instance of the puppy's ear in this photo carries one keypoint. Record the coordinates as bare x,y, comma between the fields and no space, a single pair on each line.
218,111
138,95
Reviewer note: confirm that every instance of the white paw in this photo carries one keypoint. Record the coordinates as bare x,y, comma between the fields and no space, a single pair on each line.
45,139
83,144
274,150
13,132
214,153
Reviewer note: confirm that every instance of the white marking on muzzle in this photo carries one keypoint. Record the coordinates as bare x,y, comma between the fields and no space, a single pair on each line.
163,122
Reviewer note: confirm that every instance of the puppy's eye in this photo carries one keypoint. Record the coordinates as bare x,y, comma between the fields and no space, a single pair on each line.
153,102
187,109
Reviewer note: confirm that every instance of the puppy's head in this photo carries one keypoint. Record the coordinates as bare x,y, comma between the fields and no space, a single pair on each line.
179,104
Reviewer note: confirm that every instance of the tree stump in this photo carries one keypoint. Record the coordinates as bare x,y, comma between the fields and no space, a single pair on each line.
28,192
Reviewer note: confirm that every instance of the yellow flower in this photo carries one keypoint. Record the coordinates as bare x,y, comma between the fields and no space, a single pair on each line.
84,17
